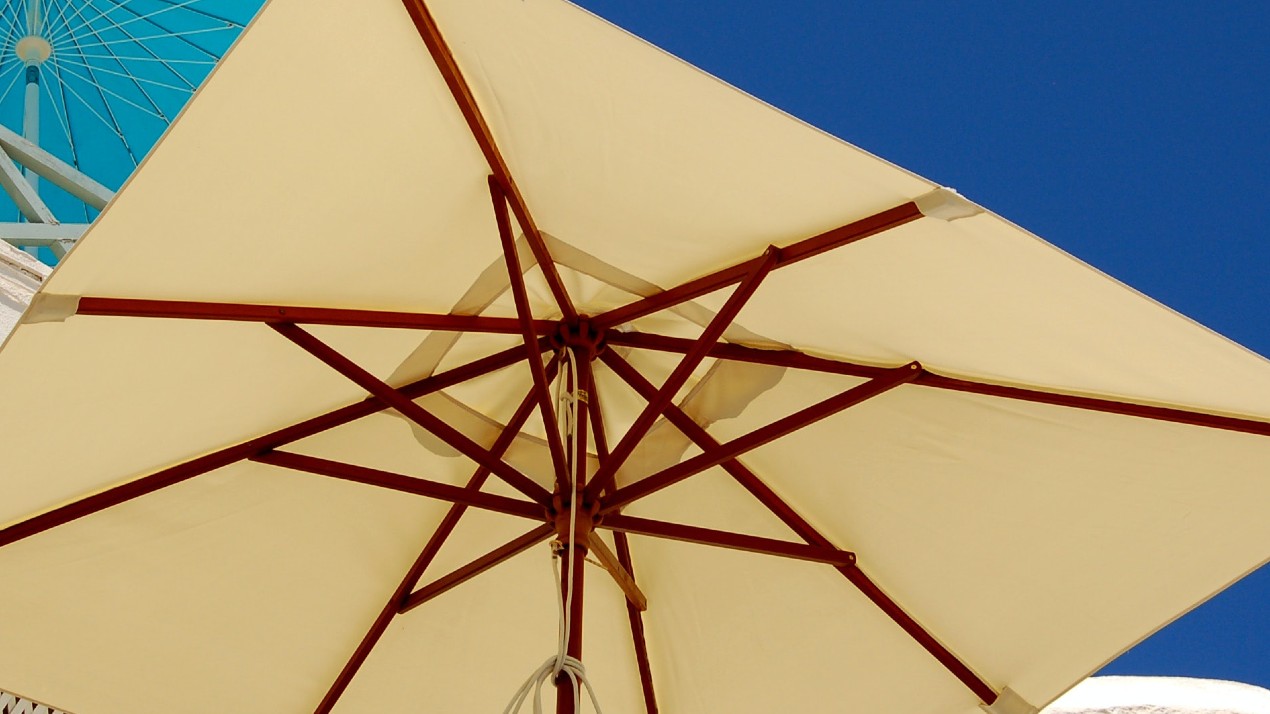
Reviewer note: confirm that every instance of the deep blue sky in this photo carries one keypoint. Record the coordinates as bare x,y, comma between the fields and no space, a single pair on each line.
1134,135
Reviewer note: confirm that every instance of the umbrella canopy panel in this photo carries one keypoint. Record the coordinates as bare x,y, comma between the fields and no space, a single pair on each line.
1020,466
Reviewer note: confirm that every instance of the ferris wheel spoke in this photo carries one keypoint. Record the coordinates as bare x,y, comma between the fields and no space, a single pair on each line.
46,21
205,63
66,112
91,79
125,74
61,119
139,17
15,23
146,48
4,95
112,124
184,40
183,33
70,129
67,29
51,20
205,13
9,35
9,44
143,80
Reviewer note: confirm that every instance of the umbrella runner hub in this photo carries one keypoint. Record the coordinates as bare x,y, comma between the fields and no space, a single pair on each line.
582,337
573,526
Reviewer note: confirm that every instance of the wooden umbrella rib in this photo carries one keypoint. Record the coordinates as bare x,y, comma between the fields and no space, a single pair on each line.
638,637
799,360
421,563
634,613
790,254
412,411
726,539
466,101
241,312
478,566
1110,406
763,435
740,353
617,567
607,472
183,471
525,317
803,529
405,484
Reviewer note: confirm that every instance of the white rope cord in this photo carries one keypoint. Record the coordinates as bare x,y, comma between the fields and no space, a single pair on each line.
561,663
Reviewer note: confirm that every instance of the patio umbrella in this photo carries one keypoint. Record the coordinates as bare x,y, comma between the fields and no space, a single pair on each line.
838,438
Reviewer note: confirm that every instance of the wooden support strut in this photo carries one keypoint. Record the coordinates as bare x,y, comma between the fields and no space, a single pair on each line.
525,316
299,314
412,411
790,254
799,525
798,360
605,476
763,435
634,613
466,101
421,563
246,449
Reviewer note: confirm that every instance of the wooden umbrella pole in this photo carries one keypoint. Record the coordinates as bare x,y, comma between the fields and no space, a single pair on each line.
574,556
574,525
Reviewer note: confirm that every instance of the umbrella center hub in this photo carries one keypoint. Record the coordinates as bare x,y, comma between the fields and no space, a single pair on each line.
580,336
33,50
583,522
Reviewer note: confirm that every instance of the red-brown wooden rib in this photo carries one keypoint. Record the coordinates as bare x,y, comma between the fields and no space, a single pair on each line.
478,566
633,614
799,525
604,477
741,353
525,315
726,539
763,435
799,360
406,484
412,411
240,312
1179,416
466,101
426,556
636,619
806,248
243,450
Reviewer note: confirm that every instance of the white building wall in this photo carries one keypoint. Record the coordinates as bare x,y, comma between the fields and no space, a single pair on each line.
20,276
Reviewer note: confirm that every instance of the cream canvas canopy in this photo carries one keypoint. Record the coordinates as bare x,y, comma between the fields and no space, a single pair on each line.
854,443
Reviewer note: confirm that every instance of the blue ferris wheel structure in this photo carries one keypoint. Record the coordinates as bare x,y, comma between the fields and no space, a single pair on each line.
86,88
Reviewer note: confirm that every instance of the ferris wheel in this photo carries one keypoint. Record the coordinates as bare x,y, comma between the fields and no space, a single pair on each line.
86,88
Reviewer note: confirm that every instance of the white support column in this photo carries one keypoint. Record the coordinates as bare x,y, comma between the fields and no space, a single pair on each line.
35,50
41,234
61,174
22,193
